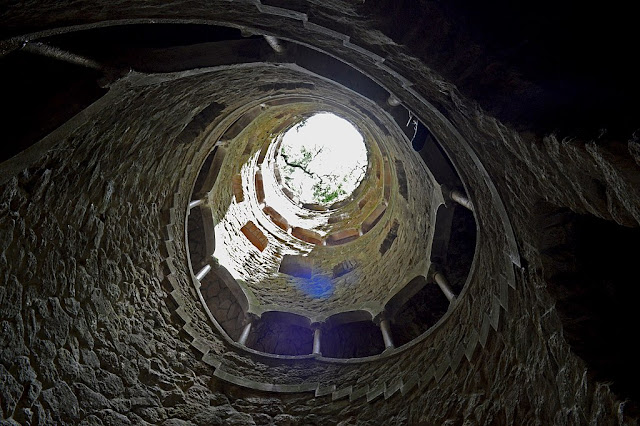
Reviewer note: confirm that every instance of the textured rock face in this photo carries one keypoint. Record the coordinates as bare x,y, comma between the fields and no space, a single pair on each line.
89,329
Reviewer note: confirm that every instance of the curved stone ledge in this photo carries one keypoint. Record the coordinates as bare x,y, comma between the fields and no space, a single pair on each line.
482,337
388,185
390,387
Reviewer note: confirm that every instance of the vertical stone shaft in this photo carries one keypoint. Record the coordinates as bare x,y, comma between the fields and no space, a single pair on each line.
317,333
203,272
245,333
274,43
195,203
386,333
442,282
461,199
61,55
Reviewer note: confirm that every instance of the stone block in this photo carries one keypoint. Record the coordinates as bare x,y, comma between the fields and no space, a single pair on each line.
62,400
358,393
364,200
342,237
375,392
427,377
495,313
287,192
484,329
325,390
255,235
442,368
259,184
314,207
409,384
276,218
394,386
341,393
373,218
307,235
343,268
236,185
457,356
471,345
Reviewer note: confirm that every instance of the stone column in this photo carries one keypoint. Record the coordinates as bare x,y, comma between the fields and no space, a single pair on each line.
274,43
195,203
317,334
442,282
245,333
203,272
61,55
393,101
461,199
386,333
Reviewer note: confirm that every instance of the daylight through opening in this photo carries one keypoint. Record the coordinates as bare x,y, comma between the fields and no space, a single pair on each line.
322,159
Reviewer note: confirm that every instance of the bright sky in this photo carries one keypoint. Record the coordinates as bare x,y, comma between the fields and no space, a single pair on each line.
341,153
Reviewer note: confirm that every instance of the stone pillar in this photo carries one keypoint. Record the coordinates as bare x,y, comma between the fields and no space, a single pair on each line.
386,333
442,282
317,333
195,203
61,55
274,43
245,333
393,101
461,199
203,272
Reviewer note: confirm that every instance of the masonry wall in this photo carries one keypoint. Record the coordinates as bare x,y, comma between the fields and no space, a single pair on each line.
89,333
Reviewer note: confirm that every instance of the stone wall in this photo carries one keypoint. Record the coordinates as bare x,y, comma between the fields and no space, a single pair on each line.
93,302
278,337
322,294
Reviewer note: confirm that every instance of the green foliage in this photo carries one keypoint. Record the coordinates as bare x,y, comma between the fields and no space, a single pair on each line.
324,194
326,187
304,158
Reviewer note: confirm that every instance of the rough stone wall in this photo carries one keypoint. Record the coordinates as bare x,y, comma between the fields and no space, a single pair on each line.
87,335
87,330
197,243
418,314
352,340
281,338
223,305
377,273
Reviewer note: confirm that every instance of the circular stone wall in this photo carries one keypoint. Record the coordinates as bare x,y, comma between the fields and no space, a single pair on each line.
316,240
101,320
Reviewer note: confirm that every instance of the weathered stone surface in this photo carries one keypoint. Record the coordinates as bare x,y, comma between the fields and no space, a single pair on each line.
85,219
62,402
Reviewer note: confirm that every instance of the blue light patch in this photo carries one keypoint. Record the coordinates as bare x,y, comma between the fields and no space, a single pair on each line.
317,287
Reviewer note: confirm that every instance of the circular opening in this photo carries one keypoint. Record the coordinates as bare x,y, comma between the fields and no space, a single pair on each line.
279,257
322,159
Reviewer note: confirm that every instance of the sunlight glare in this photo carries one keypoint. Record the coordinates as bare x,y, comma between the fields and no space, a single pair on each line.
323,159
